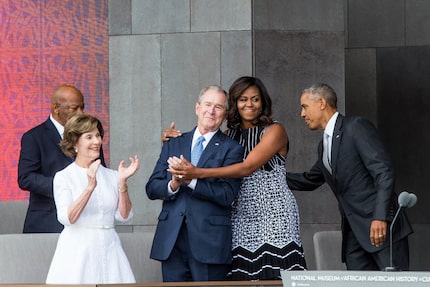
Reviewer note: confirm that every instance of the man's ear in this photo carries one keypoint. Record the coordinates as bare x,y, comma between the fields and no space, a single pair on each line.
55,107
197,108
323,103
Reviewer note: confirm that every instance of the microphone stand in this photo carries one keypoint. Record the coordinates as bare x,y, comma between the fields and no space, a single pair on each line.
391,267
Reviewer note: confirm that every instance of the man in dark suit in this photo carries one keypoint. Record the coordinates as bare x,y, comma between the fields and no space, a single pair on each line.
193,236
357,167
41,157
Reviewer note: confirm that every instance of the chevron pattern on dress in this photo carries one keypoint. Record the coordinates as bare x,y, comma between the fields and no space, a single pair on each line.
267,262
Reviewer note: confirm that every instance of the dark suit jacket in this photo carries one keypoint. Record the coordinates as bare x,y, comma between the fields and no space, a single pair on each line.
207,208
362,180
40,158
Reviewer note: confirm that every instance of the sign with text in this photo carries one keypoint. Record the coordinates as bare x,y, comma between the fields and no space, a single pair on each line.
354,278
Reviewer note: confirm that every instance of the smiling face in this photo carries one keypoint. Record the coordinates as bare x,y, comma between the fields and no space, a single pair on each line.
88,147
249,106
313,111
211,110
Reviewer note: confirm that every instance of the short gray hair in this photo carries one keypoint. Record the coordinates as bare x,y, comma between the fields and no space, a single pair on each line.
216,88
322,90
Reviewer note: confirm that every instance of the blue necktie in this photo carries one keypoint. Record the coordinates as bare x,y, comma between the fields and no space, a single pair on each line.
197,150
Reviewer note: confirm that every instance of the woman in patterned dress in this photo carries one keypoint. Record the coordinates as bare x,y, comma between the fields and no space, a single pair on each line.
265,217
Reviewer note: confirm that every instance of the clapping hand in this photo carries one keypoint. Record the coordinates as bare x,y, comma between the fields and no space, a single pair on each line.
91,174
181,168
125,172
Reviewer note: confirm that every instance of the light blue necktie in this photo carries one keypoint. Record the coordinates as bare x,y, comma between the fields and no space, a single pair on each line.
197,150
327,152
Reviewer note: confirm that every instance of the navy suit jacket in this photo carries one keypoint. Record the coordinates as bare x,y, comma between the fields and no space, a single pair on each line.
40,158
362,180
207,208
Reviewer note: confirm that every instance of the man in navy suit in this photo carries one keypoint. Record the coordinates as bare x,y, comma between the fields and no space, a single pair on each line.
41,157
357,167
193,236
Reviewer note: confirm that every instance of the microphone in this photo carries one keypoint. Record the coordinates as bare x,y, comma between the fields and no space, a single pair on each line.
405,200
412,200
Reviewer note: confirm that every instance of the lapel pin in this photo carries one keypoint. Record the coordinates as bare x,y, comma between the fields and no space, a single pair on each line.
216,143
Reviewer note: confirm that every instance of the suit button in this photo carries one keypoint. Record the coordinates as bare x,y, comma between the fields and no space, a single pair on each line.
184,217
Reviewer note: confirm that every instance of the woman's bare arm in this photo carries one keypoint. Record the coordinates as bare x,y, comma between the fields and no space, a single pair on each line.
273,141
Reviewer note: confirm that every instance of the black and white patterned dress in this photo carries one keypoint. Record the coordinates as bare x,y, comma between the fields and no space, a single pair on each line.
265,219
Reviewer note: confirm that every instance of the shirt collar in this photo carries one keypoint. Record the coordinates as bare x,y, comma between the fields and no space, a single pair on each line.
208,136
57,125
329,128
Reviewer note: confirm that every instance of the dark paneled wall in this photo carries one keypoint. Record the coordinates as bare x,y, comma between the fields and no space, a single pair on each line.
376,55
403,77
387,79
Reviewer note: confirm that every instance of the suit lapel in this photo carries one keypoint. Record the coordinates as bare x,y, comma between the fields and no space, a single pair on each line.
54,136
188,141
213,145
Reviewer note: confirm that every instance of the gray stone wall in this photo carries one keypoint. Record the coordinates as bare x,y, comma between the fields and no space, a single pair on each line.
162,52
298,43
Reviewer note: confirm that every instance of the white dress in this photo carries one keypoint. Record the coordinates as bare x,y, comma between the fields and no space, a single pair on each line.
89,251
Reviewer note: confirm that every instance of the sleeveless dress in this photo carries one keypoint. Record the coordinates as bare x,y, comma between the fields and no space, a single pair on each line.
265,219
89,251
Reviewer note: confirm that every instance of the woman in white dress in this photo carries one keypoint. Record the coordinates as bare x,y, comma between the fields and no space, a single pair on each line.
89,198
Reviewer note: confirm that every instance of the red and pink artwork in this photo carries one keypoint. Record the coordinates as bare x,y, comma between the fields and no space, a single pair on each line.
44,44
